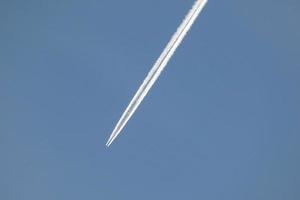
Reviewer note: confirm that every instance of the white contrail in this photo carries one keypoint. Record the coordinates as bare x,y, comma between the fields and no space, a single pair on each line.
158,67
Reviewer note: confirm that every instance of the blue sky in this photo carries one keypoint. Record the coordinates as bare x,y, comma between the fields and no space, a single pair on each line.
222,122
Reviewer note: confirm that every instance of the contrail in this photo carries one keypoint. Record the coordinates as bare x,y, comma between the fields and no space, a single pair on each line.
158,67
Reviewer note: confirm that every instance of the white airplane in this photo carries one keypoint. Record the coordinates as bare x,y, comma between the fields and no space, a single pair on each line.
157,68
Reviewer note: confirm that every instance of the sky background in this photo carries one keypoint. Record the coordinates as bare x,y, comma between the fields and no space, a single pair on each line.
222,122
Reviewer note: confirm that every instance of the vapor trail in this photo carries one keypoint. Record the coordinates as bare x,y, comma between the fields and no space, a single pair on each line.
158,67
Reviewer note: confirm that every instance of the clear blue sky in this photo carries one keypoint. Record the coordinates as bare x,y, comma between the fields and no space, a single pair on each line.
222,122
